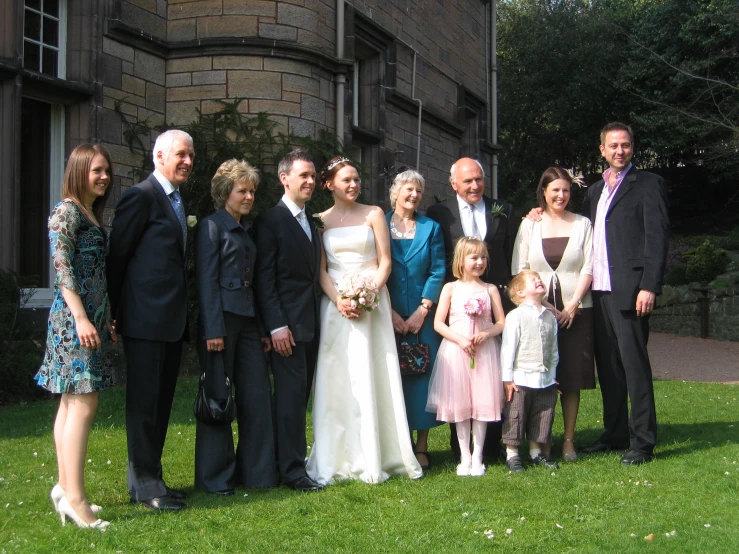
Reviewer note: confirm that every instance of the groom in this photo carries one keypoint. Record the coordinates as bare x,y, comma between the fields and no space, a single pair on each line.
287,268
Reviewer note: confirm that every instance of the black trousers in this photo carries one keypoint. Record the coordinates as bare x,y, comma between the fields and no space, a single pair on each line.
152,368
625,375
252,465
291,383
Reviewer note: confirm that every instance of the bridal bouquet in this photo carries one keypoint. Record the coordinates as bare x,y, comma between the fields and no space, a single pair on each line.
361,290
473,307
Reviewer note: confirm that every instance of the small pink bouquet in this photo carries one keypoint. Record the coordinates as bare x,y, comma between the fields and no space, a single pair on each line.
473,307
360,289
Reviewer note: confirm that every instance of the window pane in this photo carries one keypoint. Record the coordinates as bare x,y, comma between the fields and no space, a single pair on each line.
35,4
51,32
49,62
51,7
31,56
32,26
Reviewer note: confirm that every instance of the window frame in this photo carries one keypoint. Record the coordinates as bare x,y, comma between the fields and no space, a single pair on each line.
42,297
61,48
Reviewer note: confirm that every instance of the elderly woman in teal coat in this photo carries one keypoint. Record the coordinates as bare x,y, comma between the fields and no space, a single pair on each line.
416,279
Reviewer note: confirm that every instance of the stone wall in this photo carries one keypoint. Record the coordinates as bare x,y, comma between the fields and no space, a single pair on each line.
166,61
679,312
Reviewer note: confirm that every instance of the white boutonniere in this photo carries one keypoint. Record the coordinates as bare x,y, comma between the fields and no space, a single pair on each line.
191,221
497,210
317,221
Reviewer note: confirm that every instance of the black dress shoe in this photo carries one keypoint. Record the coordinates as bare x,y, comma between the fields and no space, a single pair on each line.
635,458
305,484
224,492
177,494
599,446
166,503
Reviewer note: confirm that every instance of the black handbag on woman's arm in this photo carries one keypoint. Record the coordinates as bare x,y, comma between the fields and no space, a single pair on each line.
214,411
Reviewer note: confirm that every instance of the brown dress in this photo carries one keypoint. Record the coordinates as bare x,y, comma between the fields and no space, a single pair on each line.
576,370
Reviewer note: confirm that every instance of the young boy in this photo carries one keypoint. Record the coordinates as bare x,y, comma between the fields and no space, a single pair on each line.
529,359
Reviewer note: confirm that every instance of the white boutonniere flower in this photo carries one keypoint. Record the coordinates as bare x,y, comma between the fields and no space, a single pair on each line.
317,221
497,210
191,221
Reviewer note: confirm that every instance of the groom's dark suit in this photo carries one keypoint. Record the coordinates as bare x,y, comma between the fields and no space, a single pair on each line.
499,238
148,298
288,296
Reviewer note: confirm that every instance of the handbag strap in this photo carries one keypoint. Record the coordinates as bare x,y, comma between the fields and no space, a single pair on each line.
202,379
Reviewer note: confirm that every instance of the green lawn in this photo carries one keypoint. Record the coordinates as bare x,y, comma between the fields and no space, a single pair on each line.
593,505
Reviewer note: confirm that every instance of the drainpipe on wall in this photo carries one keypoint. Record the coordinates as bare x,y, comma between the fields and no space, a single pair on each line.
420,111
494,93
340,77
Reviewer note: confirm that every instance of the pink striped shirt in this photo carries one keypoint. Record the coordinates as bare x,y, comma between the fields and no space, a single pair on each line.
601,272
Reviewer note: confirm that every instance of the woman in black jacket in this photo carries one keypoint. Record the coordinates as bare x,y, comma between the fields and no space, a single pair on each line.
233,340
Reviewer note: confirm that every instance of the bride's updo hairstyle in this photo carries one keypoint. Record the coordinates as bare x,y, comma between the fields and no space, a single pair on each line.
332,167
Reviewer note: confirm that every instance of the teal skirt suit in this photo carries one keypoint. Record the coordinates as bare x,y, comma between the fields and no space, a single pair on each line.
418,270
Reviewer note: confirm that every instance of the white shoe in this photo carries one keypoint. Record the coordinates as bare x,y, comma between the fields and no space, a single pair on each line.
477,469
57,493
66,511
463,470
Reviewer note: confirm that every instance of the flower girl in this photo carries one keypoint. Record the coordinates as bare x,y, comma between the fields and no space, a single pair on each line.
466,387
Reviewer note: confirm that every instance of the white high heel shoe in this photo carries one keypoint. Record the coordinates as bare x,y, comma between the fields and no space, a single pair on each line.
66,511
57,493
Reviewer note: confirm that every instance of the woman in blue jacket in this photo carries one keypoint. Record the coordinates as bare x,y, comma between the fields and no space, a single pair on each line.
418,269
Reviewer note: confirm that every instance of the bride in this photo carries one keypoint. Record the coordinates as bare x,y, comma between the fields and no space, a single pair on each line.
359,422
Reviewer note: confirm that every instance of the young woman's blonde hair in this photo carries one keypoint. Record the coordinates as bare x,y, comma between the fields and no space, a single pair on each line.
464,247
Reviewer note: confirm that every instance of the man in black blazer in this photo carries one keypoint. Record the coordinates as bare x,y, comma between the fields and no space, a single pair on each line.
148,297
628,208
287,288
470,213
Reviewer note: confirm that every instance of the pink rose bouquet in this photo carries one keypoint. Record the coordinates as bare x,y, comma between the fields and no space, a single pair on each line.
360,289
473,307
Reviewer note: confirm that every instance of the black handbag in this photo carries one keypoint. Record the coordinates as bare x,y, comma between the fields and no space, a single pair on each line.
214,411
414,359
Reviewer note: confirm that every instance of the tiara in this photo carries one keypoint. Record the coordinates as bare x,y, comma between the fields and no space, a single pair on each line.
337,162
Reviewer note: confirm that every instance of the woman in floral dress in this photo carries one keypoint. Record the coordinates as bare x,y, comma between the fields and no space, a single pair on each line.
77,362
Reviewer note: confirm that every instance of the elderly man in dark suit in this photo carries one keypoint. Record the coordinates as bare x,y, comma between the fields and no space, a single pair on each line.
288,298
628,208
470,213
148,297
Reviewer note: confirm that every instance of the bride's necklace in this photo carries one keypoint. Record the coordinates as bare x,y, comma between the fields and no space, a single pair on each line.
408,234
341,219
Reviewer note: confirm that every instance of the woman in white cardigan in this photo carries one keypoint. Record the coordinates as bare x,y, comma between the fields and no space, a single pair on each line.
560,249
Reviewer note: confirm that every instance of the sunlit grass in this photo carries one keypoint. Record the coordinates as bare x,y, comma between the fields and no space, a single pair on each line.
592,505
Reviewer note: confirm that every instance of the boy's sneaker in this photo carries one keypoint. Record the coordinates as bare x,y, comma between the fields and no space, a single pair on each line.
544,460
514,464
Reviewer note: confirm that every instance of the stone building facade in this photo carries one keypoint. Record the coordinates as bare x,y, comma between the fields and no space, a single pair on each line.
67,66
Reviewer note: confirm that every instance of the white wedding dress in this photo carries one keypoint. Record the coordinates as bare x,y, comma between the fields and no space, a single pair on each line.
360,428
